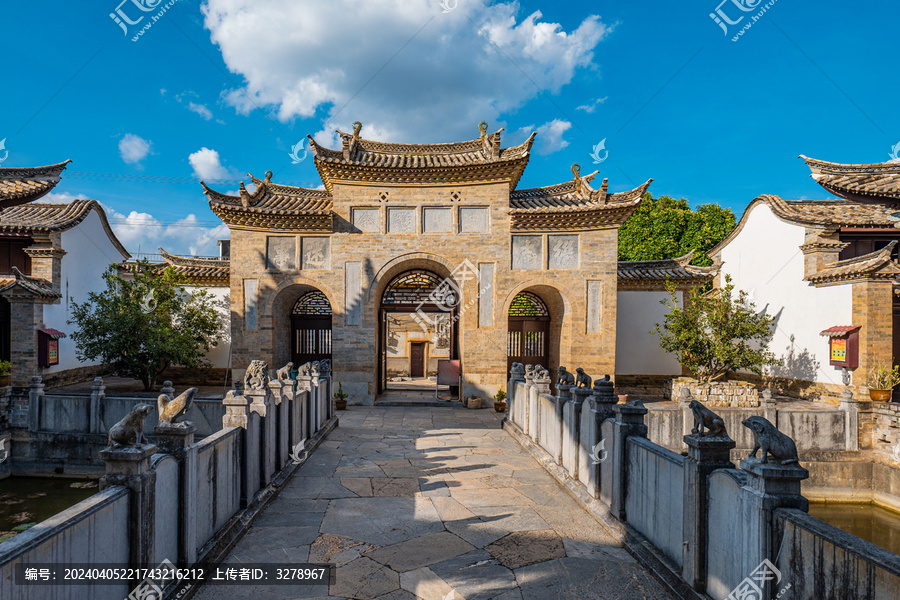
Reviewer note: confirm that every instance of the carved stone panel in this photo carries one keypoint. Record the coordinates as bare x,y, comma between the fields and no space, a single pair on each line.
473,220
402,220
527,252
593,306
250,298
353,292
563,250
437,220
281,253
315,253
366,220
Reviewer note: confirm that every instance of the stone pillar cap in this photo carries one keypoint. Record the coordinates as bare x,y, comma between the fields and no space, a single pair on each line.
774,470
127,453
180,428
707,441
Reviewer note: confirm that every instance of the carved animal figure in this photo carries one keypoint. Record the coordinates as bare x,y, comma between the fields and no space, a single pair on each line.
257,375
564,377
541,373
767,437
130,430
707,419
304,370
582,379
170,409
325,366
284,373
529,371
517,368
314,368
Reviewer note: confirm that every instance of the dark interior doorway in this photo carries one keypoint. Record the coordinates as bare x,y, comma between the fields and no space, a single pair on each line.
417,359
311,328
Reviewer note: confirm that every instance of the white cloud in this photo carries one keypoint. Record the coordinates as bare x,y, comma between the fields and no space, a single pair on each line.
144,232
407,71
133,149
62,197
590,108
550,136
208,167
201,110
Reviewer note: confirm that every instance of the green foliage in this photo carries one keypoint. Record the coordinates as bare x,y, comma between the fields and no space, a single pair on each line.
340,394
883,377
5,367
667,228
143,323
716,333
500,396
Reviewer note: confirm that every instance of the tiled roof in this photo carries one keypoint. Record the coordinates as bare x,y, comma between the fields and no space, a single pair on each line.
39,217
273,207
572,205
877,183
21,284
23,185
475,161
199,270
876,266
839,330
655,273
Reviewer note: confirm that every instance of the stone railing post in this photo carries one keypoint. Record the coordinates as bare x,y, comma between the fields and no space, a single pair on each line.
97,395
600,402
177,440
168,389
767,402
236,407
571,441
261,403
326,381
563,397
541,386
705,455
516,375
629,422
850,406
522,402
35,396
769,486
130,466
316,398
684,406
280,414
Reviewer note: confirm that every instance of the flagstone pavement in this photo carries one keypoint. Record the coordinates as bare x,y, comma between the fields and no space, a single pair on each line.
438,504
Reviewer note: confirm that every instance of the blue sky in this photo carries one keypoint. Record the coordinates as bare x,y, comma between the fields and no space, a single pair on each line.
220,88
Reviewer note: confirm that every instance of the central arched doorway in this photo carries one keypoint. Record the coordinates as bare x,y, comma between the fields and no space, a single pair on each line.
417,328
310,328
528,336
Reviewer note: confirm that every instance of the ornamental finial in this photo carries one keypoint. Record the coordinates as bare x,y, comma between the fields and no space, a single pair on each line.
482,128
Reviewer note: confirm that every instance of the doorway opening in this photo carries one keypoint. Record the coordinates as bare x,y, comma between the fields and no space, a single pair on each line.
417,329
311,328
528,334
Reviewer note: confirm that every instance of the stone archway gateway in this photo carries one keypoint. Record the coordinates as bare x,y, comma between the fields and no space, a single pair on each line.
417,326
528,336
311,328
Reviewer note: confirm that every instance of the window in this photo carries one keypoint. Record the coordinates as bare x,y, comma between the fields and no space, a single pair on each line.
12,254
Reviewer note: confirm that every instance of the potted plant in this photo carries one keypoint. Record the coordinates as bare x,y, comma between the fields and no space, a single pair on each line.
882,381
340,398
5,368
500,401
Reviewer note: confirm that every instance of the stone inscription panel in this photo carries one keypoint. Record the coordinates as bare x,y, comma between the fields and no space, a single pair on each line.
486,295
473,220
563,250
402,220
593,306
353,292
366,220
527,252
315,253
437,220
281,253
250,313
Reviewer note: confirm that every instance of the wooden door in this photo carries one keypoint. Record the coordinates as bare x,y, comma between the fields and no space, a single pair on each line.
417,359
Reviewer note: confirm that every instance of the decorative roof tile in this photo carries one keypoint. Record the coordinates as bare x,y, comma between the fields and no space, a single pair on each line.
199,270
23,185
876,266
23,285
480,160
273,207
573,205
877,183
656,273
839,330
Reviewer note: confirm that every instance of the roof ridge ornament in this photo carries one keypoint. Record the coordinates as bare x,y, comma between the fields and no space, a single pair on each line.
245,196
350,140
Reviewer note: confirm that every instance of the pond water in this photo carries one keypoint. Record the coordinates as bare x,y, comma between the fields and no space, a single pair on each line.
26,501
867,521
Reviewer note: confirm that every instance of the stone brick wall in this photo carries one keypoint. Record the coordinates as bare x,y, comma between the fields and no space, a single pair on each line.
77,375
873,312
739,394
382,256
4,407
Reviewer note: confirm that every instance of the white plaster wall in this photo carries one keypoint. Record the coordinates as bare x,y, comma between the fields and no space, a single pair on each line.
220,356
89,252
765,260
637,350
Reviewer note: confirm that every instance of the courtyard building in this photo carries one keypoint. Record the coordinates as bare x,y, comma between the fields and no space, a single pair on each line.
414,253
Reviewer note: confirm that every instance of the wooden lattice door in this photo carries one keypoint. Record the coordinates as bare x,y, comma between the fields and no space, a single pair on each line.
311,328
529,331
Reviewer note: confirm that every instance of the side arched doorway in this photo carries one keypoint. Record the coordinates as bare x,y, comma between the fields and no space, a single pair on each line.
417,327
528,335
310,328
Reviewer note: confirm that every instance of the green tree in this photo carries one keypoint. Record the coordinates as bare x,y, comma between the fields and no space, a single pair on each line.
716,332
141,324
667,228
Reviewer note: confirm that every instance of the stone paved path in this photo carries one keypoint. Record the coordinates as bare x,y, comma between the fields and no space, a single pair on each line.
438,504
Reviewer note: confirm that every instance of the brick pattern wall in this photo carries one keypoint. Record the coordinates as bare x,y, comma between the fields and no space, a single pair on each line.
385,255
873,311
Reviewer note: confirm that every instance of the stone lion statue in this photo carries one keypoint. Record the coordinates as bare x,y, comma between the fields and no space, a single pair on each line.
257,375
582,379
541,373
284,373
130,430
564,377
767,437
708,420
